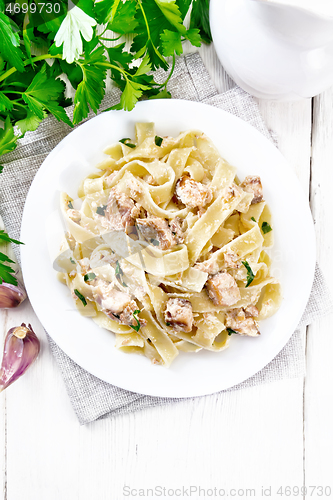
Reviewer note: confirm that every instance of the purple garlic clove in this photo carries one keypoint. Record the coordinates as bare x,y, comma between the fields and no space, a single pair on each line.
20,351
11,295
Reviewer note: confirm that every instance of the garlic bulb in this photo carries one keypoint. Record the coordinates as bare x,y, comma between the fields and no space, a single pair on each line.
11,295
20,351
12,292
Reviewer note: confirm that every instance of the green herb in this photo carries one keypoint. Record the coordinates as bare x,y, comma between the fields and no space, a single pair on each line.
137,326
80,296
72,260
5,238
116,315
6,271
231,331
1,169
70,205
119,274
89,276
158,140
73,40
252,218
129,144
168,324
154,242
266,228
101,210
250,275
119,271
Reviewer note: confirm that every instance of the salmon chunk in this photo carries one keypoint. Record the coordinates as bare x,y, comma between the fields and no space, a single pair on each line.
223,289
231,259
176,229
178,314
192,193
252,184
243,322
157,232
209,266
118,305
121,211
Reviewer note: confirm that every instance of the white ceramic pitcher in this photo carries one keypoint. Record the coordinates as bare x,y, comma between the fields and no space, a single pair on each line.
275,49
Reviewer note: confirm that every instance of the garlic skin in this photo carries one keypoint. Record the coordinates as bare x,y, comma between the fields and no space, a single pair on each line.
11,295
20,351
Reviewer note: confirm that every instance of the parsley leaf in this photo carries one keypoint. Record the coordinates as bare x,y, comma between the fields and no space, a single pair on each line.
252,218
72,260
75,24
4,237
137,326
81,297
92,88
200,19
6,272
231,331
250,275
168,324
7,138
30,122
89,276
43,93
171,42
101,210
131,94
154,242
266,228
119,16
10,43
158,140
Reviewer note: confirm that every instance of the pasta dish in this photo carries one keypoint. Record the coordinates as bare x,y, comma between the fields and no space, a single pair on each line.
166,247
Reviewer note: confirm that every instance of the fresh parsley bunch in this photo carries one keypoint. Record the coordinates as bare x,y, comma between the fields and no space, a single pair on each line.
37,46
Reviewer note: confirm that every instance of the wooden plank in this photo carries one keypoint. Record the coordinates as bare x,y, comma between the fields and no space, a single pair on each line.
243,439
319,380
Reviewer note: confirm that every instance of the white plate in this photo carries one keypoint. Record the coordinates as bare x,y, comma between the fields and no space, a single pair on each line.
93,348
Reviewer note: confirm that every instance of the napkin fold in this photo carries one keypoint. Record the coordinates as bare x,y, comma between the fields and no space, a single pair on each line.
91,397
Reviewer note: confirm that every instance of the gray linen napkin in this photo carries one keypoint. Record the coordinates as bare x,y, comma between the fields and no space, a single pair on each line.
91,397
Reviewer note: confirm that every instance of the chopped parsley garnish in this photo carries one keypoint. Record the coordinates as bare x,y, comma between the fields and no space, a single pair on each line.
70,205
129,144
101,210
137,326
89,276
252,218
158,140
266,228
168,324
231,331
154,242
119,274
250,275
173,233
72,260
80,296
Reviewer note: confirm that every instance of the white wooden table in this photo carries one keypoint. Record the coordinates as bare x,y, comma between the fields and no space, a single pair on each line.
270,436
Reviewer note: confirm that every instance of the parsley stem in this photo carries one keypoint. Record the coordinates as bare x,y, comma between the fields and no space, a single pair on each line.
170,74
109,39
29,61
